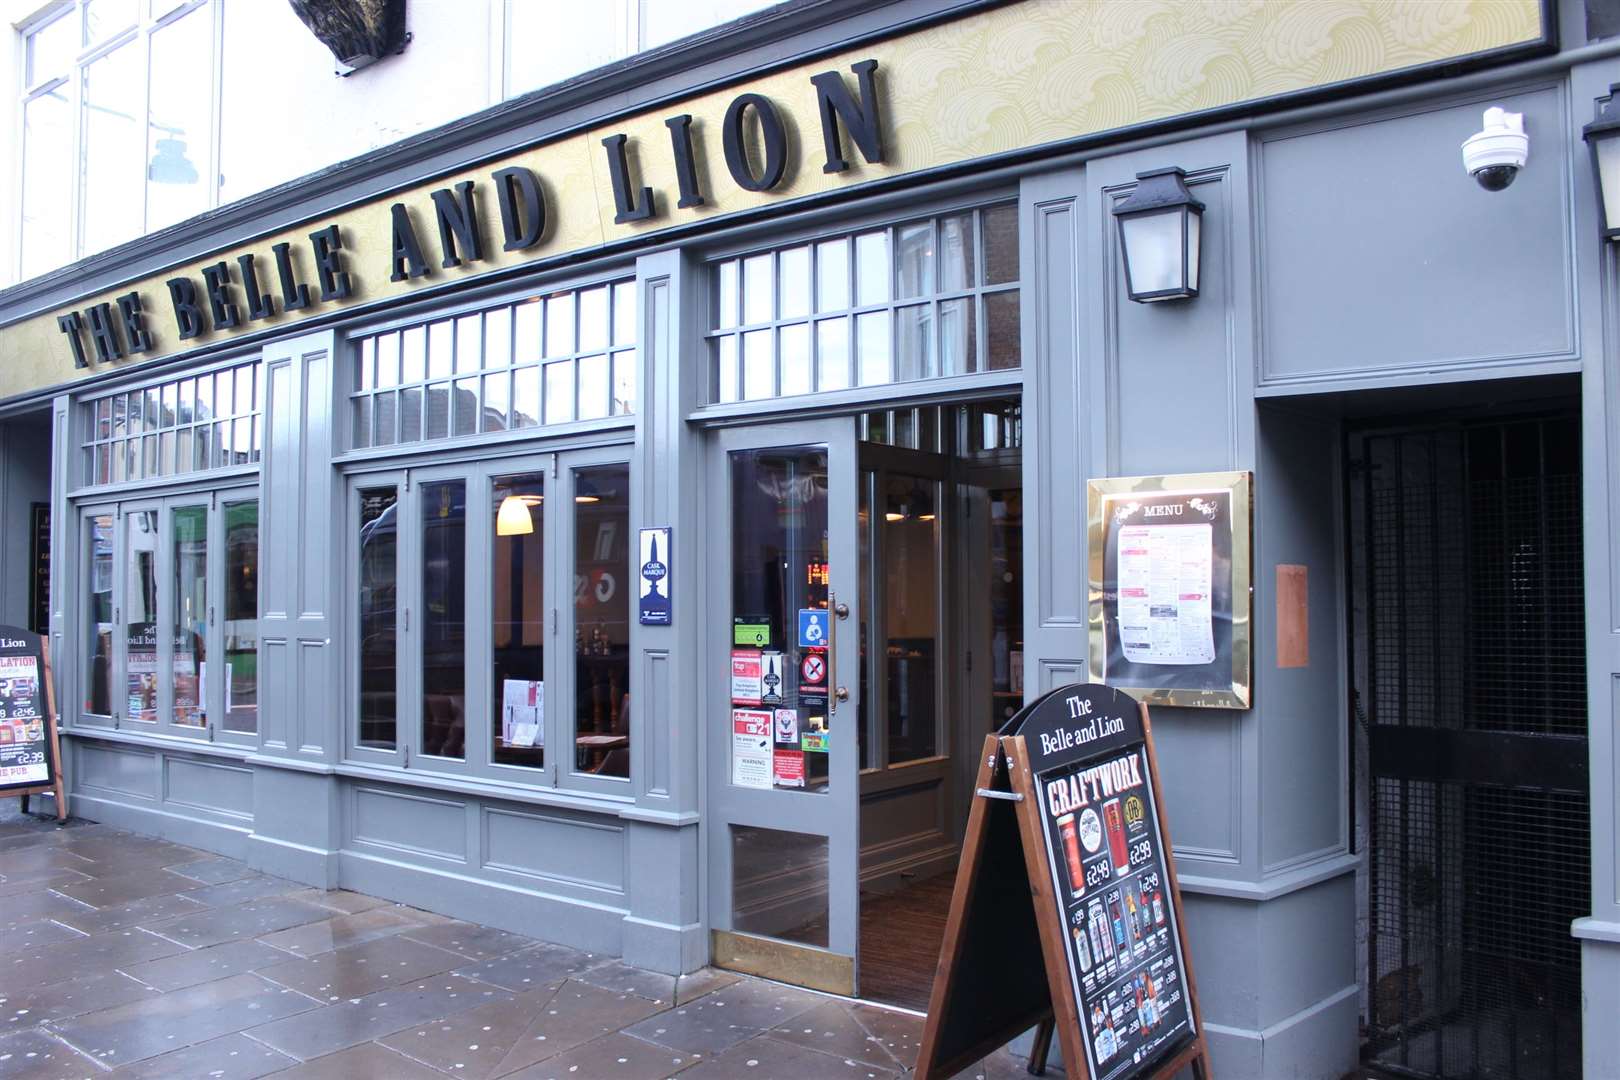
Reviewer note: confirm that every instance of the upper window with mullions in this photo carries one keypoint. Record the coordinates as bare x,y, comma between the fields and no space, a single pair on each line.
919,300
552,359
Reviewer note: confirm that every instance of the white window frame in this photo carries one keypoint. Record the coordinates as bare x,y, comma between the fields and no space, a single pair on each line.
153,15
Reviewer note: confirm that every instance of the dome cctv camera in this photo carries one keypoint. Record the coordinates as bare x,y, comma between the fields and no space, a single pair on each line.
1494,155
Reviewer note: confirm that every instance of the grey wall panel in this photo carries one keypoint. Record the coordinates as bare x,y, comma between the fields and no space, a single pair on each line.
126,772
315,684
1201,767
576,850
1304,742
654,700
208,786
1173,367
1379,253
1052,231
275,724
1058,672
417,824
316,535
300,526
597,928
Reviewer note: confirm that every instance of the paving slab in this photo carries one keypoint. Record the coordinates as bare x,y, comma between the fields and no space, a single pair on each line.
312,939
91,955
15,884
145,913
147,1028
358,970
41,904
492,1041
368,1061
215,926
832,1028
348,1023
26,1006
340,900
617,975
44,932
204,965
532,968
242,890
130,885
765,1056
34,1054
470,940
215,870
721,1019
229,1057
618,1056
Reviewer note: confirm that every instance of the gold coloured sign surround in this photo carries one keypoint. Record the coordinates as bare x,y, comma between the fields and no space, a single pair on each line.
1232,688
1002,79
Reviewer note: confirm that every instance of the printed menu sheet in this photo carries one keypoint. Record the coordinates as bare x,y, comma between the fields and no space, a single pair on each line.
1165,582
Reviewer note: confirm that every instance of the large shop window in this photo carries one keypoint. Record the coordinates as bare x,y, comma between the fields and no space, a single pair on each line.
545,360
491,607
195,424
170,616
920,300
140,78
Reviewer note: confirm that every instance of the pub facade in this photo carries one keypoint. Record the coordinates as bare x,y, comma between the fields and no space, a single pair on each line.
620,516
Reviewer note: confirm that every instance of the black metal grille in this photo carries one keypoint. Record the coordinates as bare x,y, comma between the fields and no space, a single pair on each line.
1472,607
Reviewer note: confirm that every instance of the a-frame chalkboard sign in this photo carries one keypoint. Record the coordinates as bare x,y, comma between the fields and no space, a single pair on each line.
1066,869
30,753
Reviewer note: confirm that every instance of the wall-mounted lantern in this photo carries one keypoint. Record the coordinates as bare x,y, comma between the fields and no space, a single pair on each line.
1603,136
1159,226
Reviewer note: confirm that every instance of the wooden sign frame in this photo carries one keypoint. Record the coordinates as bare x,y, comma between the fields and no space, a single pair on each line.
53,744
1002,920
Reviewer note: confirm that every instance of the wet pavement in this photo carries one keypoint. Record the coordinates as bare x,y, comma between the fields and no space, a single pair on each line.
128,956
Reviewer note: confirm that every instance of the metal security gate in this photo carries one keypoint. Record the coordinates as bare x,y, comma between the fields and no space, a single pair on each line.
1471,697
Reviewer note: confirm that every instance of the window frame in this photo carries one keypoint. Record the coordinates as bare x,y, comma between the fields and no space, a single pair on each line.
477,764
213,500
560,566
81,472
151,17
890,222
352,387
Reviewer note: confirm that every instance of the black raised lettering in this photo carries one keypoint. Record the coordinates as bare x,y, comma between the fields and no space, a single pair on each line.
136,337
260,306
104,333
327,247
458,224
523,224
630,207
217,284
294,293
773,143
71,325
860,118
680,141
407,261
188,317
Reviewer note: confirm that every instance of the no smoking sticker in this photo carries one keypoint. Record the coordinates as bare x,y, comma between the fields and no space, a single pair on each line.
814,669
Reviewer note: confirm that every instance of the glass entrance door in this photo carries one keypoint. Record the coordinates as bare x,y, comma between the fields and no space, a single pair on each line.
782,694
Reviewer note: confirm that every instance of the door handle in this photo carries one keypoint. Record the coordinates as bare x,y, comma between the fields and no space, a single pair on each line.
840,694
